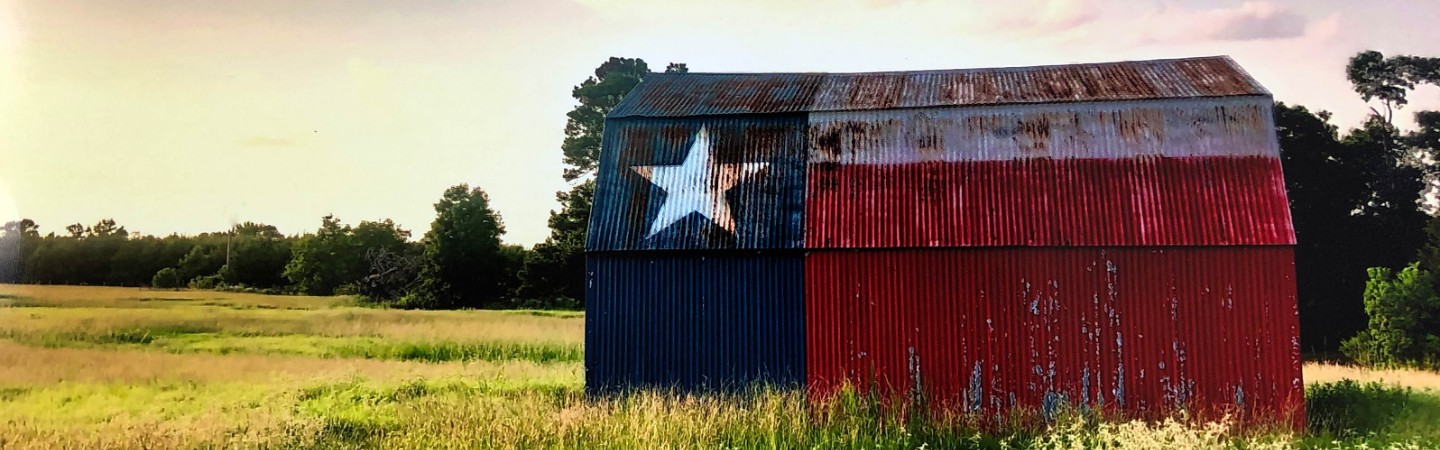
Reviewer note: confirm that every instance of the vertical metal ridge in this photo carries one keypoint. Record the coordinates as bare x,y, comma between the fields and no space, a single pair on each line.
1161,201
1140,330
694,320
766,207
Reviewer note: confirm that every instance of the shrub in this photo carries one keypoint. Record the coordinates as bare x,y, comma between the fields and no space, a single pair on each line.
1347,408
1402,308
167,278
207,282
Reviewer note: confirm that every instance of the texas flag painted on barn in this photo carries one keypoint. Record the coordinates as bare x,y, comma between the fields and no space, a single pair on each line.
1001,237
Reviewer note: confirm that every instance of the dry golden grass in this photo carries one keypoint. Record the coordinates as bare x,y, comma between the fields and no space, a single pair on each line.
1316,373
24,366
454,326
124,297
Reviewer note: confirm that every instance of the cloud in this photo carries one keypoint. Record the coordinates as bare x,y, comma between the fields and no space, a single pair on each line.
266,141
1324,28
1250,21
1019,16
1253,21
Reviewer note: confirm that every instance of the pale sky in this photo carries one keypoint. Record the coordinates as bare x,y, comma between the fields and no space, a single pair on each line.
184,116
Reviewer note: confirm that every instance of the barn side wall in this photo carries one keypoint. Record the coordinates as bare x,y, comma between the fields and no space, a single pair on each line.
1139,329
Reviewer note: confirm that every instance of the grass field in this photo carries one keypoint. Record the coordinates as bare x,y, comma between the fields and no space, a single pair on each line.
84,367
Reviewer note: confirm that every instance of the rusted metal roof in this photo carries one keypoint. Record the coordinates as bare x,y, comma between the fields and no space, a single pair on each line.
703,94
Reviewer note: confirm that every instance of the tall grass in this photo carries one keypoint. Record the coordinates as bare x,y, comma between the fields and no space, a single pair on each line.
429,336
118,368
469,413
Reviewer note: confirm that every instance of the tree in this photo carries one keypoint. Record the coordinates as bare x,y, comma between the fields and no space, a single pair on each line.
1355,199
586,123
166,278
1388,80
260,230
257,260
463,265
556,267
555,270
334,256
393,276
17,243
1402,309
318,262
1325,185
106,228
205,258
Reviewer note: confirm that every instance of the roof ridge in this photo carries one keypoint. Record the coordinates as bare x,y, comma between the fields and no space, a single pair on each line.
718,93
962,69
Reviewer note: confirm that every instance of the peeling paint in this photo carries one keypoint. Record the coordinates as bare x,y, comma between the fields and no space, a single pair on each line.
981,343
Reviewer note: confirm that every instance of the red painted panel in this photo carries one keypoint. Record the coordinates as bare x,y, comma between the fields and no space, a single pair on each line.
1140,330
1049,202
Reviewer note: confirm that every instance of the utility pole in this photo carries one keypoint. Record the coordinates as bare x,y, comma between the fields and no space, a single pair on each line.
229,237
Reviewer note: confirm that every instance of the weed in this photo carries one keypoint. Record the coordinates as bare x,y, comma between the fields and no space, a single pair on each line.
1348,408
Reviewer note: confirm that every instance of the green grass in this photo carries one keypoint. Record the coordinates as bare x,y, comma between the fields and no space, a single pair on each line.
195,339
115,368
1373,413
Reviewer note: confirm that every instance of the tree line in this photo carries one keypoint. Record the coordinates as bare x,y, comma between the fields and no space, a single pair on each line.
1367,257
459,263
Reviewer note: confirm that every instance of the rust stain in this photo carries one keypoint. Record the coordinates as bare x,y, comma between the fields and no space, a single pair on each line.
1211,78
1032,133
698,94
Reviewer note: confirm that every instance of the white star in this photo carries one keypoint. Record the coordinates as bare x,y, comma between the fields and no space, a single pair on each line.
697,185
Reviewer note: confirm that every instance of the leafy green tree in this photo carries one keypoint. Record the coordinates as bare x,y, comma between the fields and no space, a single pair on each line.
555,270
166,278
257,261
334,256
319,262
259,230
1355,199
1325,185
463,267
1402,309
205,258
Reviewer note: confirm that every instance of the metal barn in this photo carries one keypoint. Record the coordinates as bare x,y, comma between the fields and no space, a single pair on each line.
1112,235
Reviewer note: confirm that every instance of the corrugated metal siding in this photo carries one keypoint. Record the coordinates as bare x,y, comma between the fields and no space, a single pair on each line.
766,207
699,94
1239,126
693,320
1047,202
1138,329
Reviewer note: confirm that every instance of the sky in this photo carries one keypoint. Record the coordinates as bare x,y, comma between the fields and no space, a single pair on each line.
186,116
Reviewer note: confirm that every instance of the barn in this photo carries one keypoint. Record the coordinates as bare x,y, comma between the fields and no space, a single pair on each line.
1113,235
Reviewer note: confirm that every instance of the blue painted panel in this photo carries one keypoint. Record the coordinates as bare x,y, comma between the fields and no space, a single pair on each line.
766,204
694,321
